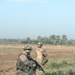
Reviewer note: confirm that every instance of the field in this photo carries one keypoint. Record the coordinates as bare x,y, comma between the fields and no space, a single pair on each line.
60,58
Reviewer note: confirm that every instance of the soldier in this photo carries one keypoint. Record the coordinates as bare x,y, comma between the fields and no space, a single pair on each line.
24,66
41,55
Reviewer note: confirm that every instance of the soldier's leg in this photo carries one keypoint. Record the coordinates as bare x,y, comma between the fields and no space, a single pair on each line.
19,72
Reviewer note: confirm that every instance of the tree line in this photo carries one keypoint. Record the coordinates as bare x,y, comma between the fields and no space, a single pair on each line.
52,39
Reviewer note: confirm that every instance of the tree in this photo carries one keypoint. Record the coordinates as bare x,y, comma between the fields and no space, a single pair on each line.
39,38
52,39
57,40
28,40
63,39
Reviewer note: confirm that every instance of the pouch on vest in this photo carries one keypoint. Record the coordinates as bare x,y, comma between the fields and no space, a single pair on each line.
20,65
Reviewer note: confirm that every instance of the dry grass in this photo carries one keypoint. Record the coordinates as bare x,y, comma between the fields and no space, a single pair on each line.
9,54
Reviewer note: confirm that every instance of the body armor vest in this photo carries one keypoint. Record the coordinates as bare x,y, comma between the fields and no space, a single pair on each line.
20,65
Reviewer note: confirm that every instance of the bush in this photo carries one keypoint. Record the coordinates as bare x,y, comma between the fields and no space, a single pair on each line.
64,62
53,65
47,73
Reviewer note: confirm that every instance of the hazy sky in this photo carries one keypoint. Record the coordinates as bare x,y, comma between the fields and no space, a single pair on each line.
31,18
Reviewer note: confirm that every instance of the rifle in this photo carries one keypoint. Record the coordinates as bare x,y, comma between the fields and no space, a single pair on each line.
37,64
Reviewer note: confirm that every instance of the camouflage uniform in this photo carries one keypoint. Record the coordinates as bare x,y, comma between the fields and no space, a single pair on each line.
40,53
24,66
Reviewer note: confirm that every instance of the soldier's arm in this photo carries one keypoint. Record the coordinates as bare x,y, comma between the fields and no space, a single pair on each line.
25,60
44,53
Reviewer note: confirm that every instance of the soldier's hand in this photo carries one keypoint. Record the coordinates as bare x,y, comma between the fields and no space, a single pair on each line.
32,62
38,68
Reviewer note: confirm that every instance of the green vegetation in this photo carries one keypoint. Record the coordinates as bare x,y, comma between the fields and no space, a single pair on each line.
53,67
64,67
59,72
10,73
69,72
53,40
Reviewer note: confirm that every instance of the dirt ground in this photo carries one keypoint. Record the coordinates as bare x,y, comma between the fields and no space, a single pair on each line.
9,54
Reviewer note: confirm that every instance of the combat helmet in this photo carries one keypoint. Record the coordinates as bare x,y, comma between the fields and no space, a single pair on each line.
27,48
39,45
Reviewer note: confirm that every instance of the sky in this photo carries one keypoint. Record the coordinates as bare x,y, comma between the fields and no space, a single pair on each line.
20,19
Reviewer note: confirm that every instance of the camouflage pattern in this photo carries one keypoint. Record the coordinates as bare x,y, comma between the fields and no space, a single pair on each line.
19,72
27,48
24,66
40,54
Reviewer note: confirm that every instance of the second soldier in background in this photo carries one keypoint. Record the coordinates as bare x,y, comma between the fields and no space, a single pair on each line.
41,54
